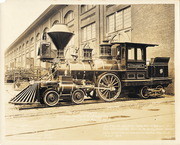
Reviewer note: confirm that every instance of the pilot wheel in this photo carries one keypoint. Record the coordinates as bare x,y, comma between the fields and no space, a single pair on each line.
78,96
51,98
108,87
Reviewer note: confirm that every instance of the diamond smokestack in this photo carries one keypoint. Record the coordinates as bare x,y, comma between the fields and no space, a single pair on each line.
60,35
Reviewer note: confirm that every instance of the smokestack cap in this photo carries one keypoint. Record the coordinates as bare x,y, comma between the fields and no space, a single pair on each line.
59,28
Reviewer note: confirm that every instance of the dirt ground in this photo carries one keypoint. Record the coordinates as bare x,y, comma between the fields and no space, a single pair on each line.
124,119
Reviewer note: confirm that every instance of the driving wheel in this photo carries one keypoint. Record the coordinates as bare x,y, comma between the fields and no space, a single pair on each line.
108,87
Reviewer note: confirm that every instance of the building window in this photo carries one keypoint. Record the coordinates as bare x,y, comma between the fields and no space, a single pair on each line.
55,22
44,35
16,54
85,8
37,36
111,23
89,32
27,42
127,17
32,39
26,50
69,17
119,20
23,60
19,50
22,49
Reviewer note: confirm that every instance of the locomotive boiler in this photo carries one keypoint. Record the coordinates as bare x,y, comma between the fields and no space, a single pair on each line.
104,78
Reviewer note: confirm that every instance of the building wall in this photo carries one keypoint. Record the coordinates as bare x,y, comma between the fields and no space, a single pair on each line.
89,28
155,24
92,24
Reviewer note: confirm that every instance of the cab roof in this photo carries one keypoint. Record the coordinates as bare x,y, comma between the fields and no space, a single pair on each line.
135,44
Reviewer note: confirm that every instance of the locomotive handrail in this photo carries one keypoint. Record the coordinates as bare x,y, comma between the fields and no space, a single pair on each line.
46,75
51,74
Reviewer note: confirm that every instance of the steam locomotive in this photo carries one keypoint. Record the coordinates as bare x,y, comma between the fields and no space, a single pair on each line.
104,78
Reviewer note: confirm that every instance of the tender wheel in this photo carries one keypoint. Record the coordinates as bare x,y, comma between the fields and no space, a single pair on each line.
108,87
144,93
161,91
78,96
51,98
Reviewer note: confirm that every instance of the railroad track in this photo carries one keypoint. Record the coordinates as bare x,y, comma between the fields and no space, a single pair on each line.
87,107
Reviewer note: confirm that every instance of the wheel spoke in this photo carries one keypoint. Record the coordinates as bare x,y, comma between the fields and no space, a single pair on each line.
109,79
115,86
109,94
105,78
102,90
113,80
105,92
115,83
103,85
104,82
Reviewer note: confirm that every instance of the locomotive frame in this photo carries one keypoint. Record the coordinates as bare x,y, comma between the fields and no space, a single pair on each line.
103,78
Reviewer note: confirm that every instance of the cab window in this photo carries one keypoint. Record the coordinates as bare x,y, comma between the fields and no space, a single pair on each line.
131,54
139,54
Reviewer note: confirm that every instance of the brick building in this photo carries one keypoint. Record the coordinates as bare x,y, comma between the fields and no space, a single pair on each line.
92,24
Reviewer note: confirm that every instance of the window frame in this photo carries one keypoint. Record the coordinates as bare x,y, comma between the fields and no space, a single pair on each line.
134,55
143,53
115,20
84,31
45,36
55,22
87,9
67,15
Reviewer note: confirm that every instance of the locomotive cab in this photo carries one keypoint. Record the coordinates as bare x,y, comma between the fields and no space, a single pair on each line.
146,80
132,57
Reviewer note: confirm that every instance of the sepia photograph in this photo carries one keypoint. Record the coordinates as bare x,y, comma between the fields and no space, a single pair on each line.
88,71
